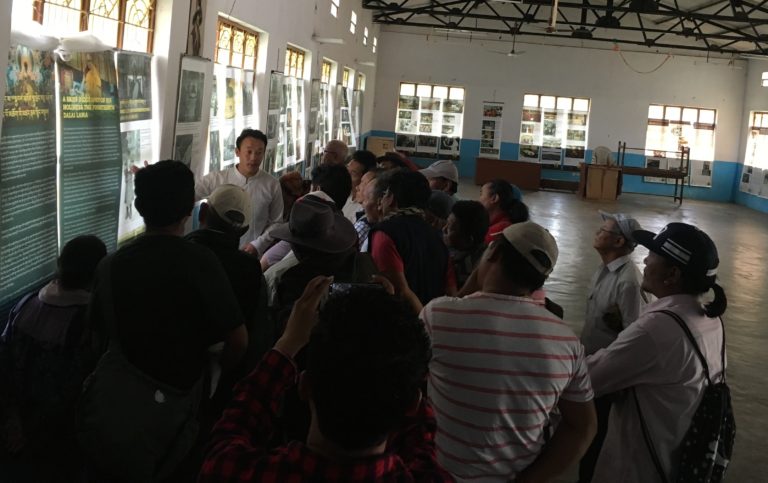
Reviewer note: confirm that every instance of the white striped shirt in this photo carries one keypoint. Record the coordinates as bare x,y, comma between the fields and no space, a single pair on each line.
500,364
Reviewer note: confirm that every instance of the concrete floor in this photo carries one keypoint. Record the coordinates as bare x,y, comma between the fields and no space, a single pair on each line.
741,236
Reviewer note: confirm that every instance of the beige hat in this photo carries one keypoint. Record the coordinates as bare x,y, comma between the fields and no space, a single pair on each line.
534,243
232,205
441,169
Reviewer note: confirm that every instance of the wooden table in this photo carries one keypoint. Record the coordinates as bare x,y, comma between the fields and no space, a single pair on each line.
527,176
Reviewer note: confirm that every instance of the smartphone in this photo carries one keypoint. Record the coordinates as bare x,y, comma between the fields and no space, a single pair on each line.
343,287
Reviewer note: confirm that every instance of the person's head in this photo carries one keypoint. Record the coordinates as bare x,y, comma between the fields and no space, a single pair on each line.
522,257
371,198
367,361
442,176
391,161
165,193
293,187
499,196
250,147
335,152
438,208
359,191
466,226
361,163
228,209
333,180
315,227
682,260
403,189
78,261
615,237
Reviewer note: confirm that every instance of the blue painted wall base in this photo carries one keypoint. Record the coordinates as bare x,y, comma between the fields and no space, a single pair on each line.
725,174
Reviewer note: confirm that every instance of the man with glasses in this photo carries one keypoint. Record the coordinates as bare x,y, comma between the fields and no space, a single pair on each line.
614,301
335,152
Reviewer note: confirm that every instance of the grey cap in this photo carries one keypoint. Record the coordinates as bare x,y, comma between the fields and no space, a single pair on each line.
627,225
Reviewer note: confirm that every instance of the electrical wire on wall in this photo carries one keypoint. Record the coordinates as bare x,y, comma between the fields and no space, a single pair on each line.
626,62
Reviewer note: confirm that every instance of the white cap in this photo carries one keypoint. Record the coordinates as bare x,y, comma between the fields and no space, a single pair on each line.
442,169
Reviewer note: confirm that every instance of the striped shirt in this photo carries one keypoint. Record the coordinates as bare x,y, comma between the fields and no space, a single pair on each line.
500,364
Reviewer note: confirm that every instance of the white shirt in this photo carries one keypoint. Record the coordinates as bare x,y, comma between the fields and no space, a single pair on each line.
266,196
615,289
351,208
654,356
500,364
274,274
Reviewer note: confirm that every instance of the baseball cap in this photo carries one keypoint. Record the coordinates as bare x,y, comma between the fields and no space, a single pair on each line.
534,243
232,205
441,169
684,245
626,224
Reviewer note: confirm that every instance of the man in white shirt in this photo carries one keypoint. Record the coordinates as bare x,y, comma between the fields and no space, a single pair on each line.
501,364
615,301
262,188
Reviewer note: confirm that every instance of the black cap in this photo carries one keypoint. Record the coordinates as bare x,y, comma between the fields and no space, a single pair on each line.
685,246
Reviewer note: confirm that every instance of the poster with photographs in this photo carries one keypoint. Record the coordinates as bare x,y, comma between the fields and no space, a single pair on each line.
530,135
746,178
314,146
190,137
656,162
701,173
326,110
449,147
490,134
246,85
764,184
552,138
274,118
574,155
427,145
405,142
357,114
134,83
346,132
575,138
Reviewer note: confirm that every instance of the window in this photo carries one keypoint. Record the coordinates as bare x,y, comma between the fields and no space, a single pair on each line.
348,77
360,82
335,7
551,126
294,62
365,36
353,22
375,42
124,24
673,127
325,75
764,80
429,118
236,46
754,177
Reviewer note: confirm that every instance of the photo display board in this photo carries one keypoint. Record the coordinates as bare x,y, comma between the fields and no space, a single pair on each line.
754,175
554,130
671,128
429,120
490,134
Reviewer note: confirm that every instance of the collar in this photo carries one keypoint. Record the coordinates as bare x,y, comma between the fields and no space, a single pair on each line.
686,301
505,298
54,294
241,177
618,263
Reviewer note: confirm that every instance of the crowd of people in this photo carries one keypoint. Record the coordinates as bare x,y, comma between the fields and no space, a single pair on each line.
365,324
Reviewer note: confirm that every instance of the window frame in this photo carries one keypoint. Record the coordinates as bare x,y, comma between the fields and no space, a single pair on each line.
335,7
353,23
38,15
326,72
294,69
234,26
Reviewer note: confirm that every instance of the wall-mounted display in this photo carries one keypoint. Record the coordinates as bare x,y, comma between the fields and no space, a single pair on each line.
554,130
490,133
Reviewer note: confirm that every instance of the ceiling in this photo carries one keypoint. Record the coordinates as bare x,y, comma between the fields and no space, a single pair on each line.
718,27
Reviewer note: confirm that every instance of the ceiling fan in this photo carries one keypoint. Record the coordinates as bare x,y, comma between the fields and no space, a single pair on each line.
511,53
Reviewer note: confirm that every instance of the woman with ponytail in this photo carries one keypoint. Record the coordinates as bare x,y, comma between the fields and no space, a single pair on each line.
654,366
504,203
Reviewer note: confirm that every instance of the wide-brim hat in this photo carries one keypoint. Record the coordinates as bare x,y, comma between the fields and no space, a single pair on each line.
316,225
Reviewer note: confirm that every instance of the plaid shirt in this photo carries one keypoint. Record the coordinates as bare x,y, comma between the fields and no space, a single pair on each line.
239,442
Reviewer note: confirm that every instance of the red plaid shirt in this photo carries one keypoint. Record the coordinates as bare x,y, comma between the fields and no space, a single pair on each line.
239,442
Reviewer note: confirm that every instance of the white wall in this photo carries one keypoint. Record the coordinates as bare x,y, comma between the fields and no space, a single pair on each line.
755,99
620,97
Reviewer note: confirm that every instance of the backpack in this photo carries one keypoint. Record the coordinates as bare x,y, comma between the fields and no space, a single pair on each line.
706,449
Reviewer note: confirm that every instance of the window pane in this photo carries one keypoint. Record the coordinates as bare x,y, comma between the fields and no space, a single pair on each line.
456,93
334,11
138,13
564,103
407,90
440,91
581,105
690,115
707,116
655,112
548,102
62,16
424,90
672,113
135,38
531,100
